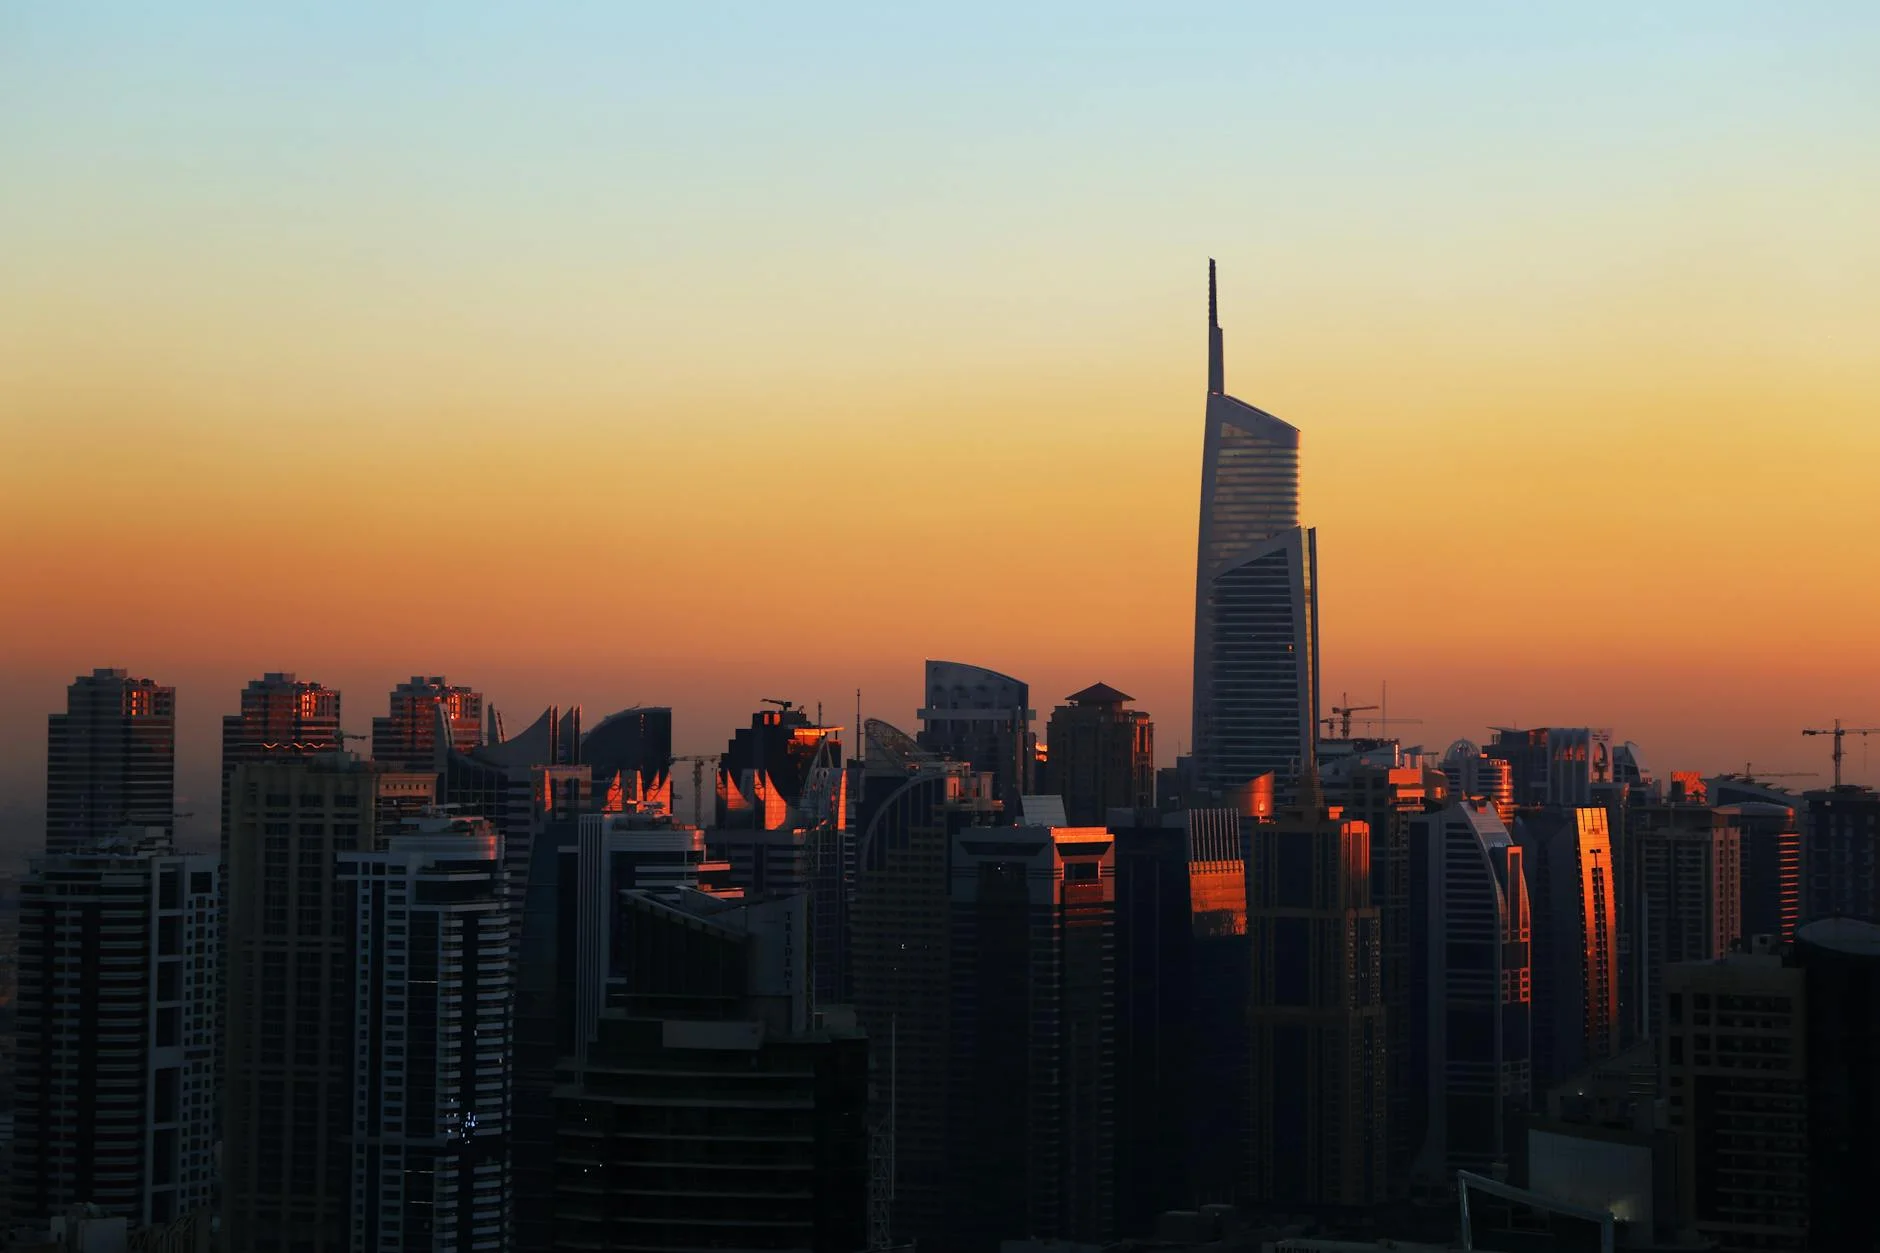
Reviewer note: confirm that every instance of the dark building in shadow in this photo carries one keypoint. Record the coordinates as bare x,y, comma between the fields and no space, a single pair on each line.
1032,1036
1102,755
708,1112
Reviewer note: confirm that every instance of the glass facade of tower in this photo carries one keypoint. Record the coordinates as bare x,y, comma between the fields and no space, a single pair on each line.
1261,666
1256,619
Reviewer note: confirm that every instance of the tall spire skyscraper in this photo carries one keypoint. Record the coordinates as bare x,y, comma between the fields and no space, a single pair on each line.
1256,595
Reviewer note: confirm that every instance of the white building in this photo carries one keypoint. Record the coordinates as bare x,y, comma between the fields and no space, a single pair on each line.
431,1033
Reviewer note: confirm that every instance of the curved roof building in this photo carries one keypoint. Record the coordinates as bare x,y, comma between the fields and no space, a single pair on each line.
980,717
1256,598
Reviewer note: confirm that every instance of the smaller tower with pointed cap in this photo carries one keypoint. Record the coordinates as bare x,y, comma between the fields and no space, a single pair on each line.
1102,755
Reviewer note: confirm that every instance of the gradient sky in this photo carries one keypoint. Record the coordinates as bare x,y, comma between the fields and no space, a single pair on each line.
700,353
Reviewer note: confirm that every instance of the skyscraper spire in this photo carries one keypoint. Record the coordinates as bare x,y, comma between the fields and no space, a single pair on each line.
1217,370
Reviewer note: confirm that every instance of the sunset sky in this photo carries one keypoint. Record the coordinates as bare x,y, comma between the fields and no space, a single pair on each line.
699,353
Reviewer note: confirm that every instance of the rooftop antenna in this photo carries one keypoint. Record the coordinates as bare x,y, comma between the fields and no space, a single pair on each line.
1217,384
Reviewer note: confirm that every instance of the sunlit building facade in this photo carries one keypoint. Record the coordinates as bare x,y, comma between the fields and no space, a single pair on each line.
281,716
110,759
1256,678
631,751
406,738
1554,765
1569,865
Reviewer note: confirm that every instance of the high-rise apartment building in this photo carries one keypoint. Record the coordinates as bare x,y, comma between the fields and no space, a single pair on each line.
1770,868
1474,775
1318,1025
430,1039
1686,868
1389,800
1183,975
1840,861
110,760
406,738
982,718
281,716
1569,866
1554,765
290,1032
1256,687
114,1078
1032,1058
1102,755
913,804
1732,1053
1471,992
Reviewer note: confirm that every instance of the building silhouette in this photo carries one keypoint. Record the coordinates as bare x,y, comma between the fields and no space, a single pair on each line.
768,774
1471,992
110,759
710,1111
431,1038
280,716
114,1074
1389,799
1840,961
1256,685
1183,977
1567,856
1732,1054
1554,765
1318,1015
631,751
287,1166
913,803
1770,868
1474,775
1102,755
1032,1036
982,718
406,738
1686,867
1841,869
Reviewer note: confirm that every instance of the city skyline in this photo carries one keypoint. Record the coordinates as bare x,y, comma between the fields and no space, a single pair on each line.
1567,425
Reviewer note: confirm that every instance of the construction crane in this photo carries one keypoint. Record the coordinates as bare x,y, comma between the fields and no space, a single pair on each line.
1341,714
699,763
785,705
1751,774
1839,733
